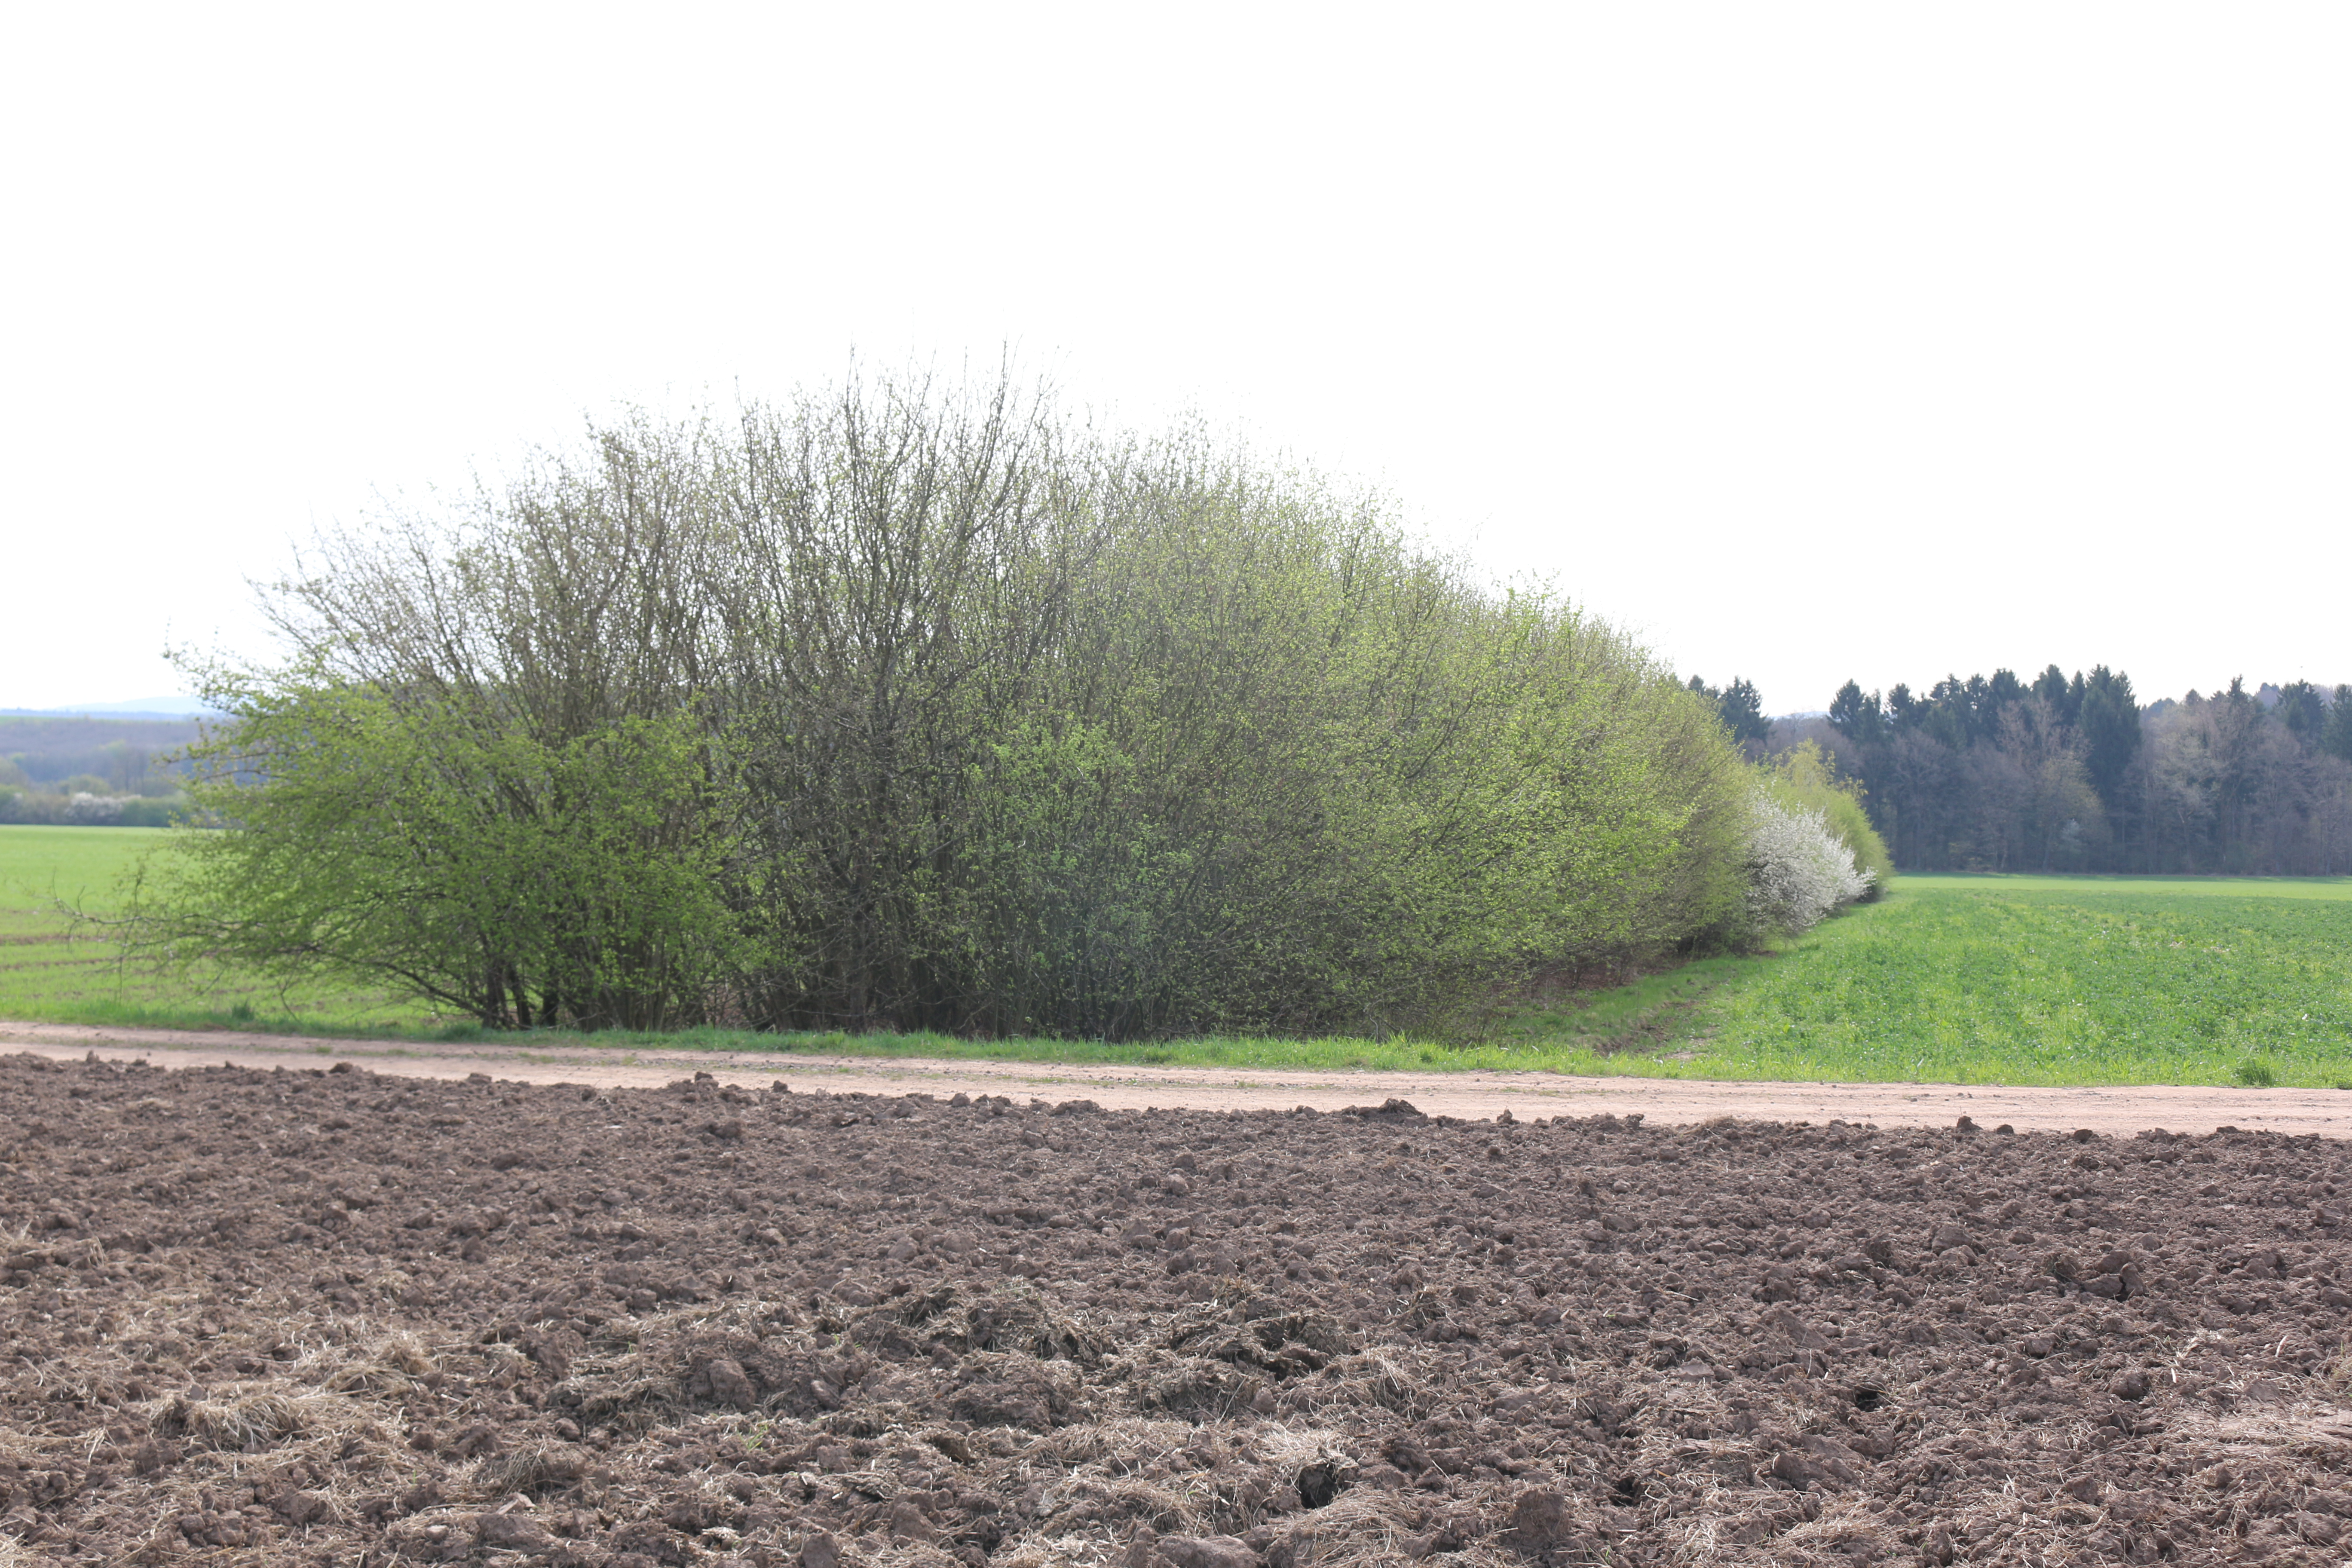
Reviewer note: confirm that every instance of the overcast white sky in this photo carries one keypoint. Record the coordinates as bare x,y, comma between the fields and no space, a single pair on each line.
1809,340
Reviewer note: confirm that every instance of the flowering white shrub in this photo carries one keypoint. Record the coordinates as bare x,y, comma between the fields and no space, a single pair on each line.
1799,872
85,809
94,810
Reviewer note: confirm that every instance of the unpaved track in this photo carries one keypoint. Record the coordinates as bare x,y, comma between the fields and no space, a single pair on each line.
1676,1101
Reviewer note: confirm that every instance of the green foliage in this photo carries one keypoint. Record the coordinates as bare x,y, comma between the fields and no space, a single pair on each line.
1805,778
437,847
892,709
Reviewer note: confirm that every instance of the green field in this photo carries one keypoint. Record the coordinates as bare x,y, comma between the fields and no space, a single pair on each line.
2031,980
56,969
2057,980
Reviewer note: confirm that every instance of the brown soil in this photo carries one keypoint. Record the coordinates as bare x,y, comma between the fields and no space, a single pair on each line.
303,1315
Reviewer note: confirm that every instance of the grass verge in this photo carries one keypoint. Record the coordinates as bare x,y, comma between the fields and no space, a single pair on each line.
52,971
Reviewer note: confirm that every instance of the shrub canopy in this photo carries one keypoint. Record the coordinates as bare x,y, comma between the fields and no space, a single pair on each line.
892,707
1804,778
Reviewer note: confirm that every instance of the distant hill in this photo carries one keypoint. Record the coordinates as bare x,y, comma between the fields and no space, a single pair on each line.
172,707
125,751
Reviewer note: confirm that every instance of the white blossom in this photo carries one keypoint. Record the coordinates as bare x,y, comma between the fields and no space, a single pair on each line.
1799,872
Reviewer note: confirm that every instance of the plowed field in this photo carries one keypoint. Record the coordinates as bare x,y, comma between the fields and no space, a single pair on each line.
325,1316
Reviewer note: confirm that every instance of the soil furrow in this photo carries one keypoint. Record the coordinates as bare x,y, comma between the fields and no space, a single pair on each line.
313,1314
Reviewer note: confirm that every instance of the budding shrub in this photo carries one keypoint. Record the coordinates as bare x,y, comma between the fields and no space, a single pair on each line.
892,707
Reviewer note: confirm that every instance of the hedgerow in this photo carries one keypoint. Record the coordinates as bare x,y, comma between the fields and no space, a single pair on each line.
894,707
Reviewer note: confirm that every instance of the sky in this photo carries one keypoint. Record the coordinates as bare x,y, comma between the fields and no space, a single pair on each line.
1804,341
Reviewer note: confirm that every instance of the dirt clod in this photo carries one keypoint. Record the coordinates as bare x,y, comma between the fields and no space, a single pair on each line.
308,1315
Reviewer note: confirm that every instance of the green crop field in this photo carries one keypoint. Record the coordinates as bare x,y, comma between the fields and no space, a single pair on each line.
55,969
2030,980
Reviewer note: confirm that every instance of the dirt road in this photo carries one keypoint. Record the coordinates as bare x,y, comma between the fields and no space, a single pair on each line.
1525,1095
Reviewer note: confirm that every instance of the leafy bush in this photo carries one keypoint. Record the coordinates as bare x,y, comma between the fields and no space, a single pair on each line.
1805,778
1802,871
895,708
428,845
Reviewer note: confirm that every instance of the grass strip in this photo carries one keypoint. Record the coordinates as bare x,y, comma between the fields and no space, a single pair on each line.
2056,981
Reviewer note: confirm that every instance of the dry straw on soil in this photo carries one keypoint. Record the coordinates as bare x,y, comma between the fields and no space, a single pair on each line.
307,1316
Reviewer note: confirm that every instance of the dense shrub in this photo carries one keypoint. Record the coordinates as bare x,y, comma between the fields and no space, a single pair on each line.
1800,871
1805,778
430,846
895,708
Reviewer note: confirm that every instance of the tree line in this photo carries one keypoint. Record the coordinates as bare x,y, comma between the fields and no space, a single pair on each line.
2057,772
901,706
83,772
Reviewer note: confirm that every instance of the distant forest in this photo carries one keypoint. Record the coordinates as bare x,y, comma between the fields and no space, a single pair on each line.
125,755
93,772
2076,773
